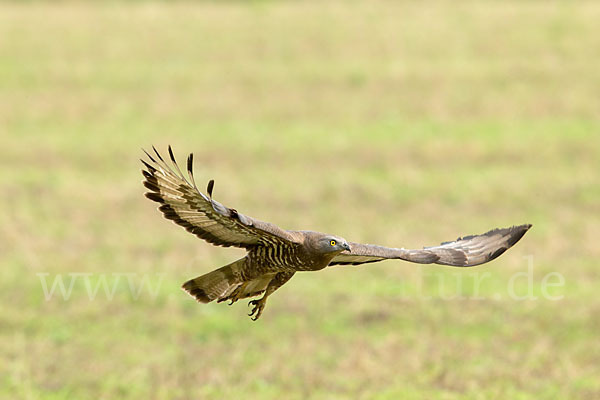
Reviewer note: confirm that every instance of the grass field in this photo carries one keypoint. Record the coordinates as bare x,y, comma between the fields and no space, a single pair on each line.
404,124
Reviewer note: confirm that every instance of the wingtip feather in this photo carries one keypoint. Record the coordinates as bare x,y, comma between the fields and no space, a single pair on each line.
171,155
157,154
150,168
517,233
149,156
154,197
209,188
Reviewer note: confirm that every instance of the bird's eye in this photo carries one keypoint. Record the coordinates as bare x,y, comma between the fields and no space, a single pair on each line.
332,243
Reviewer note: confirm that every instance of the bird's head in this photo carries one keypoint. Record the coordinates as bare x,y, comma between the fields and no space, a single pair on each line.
332,244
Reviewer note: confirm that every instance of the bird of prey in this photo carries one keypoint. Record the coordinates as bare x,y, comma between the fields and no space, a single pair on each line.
274,255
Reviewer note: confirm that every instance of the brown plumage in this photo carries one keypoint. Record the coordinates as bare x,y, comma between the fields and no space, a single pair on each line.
274,254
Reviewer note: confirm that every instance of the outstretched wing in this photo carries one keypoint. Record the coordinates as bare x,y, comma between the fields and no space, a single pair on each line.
463,252
182,202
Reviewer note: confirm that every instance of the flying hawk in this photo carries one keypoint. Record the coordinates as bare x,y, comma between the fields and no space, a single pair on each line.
274,254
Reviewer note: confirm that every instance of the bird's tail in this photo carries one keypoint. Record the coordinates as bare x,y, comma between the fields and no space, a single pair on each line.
218,284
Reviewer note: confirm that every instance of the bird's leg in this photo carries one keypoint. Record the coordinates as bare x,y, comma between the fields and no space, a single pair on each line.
259,306
235,296
276,282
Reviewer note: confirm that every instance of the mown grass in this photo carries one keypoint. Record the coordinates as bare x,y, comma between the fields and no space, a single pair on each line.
396,123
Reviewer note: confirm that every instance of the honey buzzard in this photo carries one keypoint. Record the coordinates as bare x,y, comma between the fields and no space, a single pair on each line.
274,255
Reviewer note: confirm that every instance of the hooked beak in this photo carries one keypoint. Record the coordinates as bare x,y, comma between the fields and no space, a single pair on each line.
346,246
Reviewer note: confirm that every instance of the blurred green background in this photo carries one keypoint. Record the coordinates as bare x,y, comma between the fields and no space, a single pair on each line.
398,123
